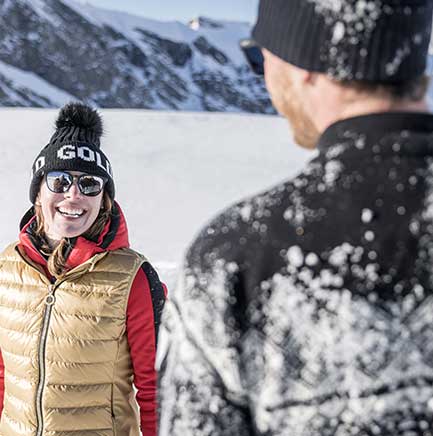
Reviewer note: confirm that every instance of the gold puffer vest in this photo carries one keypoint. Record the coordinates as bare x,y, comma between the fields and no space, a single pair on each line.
68,370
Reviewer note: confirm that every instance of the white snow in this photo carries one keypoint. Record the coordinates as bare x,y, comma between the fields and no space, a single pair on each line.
338,33
173,170
40,7
295,256
311,259
225,38
33,82
369,235
367,215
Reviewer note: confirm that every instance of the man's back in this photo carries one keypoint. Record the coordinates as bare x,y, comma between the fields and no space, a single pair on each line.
308,310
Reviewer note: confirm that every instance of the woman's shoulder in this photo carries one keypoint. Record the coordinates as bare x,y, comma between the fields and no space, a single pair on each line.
132,260
10,252
10,255
127,253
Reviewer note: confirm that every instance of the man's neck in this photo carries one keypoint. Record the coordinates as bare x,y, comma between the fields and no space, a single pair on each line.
368,107
341,109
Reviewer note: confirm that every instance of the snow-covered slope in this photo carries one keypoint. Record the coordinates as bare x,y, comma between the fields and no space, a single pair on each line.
173,170
114,59
23,87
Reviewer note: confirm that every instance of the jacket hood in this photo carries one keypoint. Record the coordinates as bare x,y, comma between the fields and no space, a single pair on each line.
113,237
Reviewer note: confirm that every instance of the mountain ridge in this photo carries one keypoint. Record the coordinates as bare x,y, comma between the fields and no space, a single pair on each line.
118,60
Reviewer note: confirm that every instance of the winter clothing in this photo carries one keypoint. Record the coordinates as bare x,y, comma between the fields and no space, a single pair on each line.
74,146
382,41
307,310
72,347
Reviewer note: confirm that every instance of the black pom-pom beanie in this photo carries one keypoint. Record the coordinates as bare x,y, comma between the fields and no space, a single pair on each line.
382,41
74,146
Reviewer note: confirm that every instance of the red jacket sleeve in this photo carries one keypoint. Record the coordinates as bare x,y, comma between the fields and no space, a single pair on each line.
145,304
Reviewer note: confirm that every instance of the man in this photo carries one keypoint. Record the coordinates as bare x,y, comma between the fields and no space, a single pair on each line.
307,310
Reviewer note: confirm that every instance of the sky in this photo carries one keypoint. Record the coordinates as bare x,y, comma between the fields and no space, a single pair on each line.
184,10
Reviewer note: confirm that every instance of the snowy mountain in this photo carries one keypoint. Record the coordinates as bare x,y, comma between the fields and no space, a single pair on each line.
52,51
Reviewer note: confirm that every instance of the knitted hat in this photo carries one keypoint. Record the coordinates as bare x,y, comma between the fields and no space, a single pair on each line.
383,41
74,147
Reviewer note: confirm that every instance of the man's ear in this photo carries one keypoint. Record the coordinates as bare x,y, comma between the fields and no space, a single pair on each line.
302,79
310,77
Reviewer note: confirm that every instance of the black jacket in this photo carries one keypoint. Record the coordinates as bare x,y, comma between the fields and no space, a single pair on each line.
308,310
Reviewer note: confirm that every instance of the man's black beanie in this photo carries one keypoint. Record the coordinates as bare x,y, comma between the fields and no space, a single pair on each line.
384,41
75,146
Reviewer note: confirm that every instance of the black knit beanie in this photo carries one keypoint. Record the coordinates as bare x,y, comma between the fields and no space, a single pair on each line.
383,41
75,146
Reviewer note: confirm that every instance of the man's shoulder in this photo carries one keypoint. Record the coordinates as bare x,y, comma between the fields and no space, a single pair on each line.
242,225
307,210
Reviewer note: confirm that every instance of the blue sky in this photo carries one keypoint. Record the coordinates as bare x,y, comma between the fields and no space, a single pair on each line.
184,10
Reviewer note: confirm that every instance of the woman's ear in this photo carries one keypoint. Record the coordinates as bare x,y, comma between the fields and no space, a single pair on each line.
38,201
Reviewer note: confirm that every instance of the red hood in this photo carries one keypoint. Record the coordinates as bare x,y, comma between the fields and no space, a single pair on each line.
114,236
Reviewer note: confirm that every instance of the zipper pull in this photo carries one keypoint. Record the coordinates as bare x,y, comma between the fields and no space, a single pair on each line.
50,299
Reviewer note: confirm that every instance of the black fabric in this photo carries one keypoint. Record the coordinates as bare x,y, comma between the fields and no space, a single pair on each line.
377,126
312,301
35,240
114,226
380,41
157,295
27,217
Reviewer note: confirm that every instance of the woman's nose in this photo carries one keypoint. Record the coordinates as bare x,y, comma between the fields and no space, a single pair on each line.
73,191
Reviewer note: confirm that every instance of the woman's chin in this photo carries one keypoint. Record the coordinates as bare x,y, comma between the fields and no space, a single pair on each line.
68,231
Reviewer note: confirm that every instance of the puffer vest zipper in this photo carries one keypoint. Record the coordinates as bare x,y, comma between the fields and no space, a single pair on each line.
64,347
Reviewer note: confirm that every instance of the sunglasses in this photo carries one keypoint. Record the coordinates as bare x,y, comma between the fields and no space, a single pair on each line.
253,54
60,182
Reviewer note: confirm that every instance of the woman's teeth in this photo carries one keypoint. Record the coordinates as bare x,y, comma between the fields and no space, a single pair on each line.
74,213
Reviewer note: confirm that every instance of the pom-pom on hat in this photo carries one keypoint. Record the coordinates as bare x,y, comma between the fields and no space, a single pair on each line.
382,41
74,146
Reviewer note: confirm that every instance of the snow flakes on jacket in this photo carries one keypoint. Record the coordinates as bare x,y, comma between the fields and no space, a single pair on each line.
308,310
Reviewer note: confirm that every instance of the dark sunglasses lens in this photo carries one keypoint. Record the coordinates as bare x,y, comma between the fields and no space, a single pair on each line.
90,185
254,56
58,181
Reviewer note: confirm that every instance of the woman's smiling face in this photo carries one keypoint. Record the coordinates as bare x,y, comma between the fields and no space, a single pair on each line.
68,214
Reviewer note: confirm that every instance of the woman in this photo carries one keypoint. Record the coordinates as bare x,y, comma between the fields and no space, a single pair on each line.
79,310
